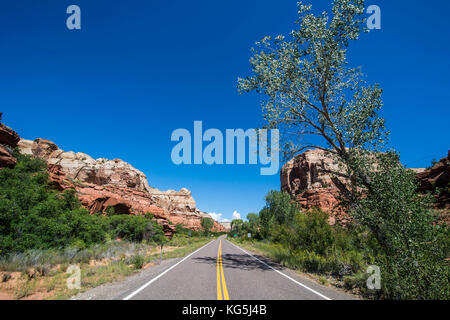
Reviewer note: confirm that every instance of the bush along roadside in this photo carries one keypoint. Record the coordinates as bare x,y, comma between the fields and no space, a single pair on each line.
341,255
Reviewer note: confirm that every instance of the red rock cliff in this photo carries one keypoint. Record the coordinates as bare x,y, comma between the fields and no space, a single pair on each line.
305,178
8,141
102,183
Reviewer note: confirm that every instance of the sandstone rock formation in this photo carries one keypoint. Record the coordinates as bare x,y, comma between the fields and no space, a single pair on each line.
82,167
438,178
226,225
102,183
305,178
8,141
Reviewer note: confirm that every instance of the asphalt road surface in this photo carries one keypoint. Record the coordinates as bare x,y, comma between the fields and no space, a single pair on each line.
219,270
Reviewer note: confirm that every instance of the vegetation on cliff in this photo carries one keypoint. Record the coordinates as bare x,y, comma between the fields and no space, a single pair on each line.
34,216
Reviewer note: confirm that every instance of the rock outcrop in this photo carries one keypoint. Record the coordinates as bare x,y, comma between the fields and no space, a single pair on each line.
80,166
102,183
437,180
226,225
306,179
8,141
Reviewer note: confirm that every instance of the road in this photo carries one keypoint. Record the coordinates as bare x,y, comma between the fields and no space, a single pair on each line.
219,270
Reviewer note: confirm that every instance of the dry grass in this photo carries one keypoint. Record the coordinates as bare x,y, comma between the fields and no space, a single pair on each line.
25,281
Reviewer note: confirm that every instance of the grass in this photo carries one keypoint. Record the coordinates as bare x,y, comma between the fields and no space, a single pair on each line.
280,254
101,264
138,261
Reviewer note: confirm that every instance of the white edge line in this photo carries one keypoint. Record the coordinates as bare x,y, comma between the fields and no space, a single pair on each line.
300,284
160,275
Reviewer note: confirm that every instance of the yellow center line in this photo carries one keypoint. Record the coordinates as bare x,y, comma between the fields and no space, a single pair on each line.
224,284
219,289
220,275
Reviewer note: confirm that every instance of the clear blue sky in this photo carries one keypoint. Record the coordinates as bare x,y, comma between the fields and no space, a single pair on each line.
140,69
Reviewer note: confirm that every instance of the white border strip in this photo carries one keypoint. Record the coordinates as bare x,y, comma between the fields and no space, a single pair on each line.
160,275
284,275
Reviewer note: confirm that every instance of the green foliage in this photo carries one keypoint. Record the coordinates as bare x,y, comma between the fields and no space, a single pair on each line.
134,228
110,211
138,261
253,224
149,215
280,206
33,216
279,210
306,241
182,230
415,248
309,87
311,91
311,231
311,244
238,227
207,224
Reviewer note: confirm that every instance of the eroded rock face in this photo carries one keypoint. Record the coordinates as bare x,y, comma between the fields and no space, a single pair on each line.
8,136
305,178
226,225
6,158
102,183
306,172
436,177
8,141
80,166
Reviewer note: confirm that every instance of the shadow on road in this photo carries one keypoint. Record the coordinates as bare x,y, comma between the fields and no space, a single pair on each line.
236,261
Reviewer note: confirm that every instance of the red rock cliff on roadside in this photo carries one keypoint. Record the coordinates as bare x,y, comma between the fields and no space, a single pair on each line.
8,141
437,181
102,183
306,179
303,177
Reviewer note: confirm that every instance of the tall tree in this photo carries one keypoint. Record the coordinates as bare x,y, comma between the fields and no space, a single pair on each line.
207,224
312,92
317,100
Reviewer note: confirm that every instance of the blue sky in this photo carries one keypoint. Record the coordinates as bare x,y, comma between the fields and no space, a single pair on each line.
137,70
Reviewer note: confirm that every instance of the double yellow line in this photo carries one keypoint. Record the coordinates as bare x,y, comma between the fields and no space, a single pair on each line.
221,277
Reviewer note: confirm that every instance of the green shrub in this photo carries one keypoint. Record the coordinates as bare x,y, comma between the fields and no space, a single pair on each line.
312,232
207,224
138,261
34,216
134,228
415,249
